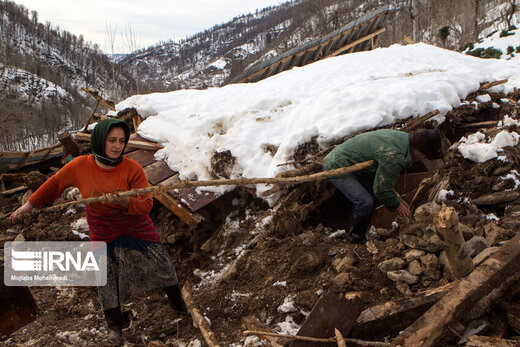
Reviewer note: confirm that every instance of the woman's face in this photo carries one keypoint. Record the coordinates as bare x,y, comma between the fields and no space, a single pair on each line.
114,143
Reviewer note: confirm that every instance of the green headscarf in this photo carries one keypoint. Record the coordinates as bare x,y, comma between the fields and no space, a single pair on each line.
99,135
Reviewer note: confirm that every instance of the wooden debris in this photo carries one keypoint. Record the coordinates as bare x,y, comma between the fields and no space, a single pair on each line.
131,143
339,339
492,84
316,340
386,319
447,226
252,323
332,311
198,318
95,94
428,329
69,144
497,198
477,125
416,123
408,40
174,205
489,341
14,191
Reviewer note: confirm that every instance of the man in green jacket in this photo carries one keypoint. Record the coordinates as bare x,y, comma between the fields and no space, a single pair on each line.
392,151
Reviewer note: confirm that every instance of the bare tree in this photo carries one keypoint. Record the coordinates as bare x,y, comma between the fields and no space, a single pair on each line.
509,12
131,44
111,40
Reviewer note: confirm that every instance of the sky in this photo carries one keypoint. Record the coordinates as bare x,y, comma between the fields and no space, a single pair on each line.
150,21
262,123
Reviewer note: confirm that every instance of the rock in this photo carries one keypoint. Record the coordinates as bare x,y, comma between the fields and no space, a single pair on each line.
402,276
415,268
385,232
231,272
431,266
19,238
482,256
391,265
414,254
512,211
345,263
426,212
476,245
420,236
341,279
466,231
403,288
371,247
493,233
308,263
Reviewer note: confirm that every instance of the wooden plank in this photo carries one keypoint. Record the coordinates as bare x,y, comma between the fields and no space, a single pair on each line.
489,341
332,311
358,41
194,200
158,172
142,156
131,143
252,323
477,125
383,320
430,327
174,205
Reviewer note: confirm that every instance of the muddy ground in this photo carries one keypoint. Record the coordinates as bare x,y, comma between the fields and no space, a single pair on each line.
271,263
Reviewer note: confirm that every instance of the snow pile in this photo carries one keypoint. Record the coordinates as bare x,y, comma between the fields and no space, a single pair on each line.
507,122
476,149
261,124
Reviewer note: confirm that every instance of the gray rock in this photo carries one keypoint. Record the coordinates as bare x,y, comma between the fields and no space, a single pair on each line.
413,254
484,255
476,245
391,265
402,276
420,236
431,266
415,268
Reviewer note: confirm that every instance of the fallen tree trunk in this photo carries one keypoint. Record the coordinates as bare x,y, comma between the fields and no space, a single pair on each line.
429,328
496,198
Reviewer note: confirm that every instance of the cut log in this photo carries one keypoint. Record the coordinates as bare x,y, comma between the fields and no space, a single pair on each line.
388,319
14,191
447,227
488,341
416,123
428,329
497,198
252,323
332,311
198,318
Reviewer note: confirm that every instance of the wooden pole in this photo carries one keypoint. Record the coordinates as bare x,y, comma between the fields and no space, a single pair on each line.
447,226
316,339
198,318
237,181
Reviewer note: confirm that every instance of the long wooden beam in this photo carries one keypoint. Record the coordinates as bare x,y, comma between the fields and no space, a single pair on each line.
354,43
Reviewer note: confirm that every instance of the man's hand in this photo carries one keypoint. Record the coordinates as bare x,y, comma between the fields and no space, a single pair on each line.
17,215
117,200
402,211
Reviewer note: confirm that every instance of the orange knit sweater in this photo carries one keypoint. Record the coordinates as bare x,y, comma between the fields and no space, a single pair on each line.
92,180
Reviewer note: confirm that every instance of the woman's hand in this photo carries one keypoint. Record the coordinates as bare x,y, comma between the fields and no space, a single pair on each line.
117,200
17,215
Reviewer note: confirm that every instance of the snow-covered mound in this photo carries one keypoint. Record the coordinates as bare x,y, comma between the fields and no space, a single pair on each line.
261,124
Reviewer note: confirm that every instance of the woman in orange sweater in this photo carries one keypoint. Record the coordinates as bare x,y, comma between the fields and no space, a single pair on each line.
137,261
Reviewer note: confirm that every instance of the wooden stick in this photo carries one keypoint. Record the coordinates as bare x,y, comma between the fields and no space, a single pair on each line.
198,318
315,339
237,181
339,338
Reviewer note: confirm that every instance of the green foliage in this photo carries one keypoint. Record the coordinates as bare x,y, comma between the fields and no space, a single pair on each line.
468,46
505,33
487,53
510,50
512,27
517,49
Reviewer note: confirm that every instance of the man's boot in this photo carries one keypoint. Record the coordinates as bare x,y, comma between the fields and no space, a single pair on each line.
115,331
358,229
175,299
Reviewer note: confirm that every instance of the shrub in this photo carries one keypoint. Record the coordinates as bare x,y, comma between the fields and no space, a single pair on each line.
487,53
510,50
517,50
505,33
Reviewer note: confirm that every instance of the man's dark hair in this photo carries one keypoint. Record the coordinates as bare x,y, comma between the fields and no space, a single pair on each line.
428,142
